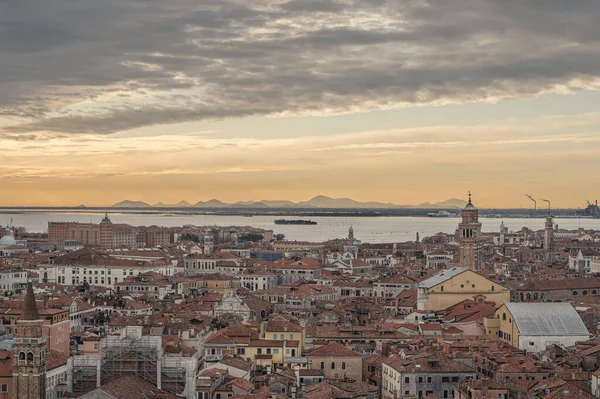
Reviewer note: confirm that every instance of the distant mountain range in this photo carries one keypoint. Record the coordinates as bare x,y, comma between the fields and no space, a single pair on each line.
319,201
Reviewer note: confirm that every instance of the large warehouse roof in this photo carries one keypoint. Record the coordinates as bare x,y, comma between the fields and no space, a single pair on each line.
552,318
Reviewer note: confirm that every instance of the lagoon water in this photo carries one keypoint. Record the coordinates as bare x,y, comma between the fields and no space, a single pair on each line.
366,229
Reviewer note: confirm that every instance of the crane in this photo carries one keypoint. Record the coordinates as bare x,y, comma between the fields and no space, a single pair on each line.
548,201
534,201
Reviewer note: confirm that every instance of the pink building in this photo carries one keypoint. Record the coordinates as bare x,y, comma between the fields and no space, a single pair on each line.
56,326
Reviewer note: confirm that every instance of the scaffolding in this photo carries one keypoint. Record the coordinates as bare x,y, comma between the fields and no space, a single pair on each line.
132,353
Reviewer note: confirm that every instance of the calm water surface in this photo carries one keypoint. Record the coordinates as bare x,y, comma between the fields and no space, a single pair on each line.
366,229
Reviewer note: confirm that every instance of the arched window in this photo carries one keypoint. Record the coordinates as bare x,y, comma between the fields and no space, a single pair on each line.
535,296
333,365
322,365
21,355
594,292
584,293
575,293
29,357
343,365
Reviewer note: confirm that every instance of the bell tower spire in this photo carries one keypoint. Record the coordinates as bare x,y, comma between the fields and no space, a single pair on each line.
29,349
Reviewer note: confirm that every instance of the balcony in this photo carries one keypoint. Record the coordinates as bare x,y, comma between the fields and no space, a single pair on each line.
213,358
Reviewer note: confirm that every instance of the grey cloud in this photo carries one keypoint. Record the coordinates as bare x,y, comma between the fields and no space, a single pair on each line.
233,58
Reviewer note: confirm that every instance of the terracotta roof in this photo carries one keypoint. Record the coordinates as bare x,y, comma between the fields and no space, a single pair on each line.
333,349
130,386
563,284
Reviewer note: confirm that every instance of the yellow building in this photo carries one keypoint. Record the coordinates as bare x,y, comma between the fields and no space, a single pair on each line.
534,326
244,341
281,329
452,286
200,284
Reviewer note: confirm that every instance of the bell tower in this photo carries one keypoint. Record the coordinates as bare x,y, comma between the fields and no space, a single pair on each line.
470,238
29,351
549,239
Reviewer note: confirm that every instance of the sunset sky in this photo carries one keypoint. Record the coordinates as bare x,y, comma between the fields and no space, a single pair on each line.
378,100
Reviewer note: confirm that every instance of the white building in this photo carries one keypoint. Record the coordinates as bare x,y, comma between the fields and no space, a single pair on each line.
438,259
98,268
235,306
582,262
12,278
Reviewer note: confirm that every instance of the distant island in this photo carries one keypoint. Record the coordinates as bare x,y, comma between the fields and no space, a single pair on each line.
295,221
319,201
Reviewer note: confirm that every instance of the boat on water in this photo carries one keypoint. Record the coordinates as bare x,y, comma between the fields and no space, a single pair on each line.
298,221
440,214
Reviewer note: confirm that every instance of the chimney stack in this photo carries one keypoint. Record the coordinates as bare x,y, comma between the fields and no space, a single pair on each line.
484,387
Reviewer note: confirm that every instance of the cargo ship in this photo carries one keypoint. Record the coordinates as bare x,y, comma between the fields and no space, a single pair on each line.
287,221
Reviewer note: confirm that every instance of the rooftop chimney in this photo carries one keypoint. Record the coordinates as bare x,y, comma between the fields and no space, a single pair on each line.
484,387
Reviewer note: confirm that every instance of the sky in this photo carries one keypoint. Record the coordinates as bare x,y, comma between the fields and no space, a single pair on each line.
377,100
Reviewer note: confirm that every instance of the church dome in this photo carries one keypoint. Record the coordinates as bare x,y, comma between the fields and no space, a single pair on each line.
8,240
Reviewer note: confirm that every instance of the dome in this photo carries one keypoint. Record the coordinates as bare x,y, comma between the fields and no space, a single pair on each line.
8,240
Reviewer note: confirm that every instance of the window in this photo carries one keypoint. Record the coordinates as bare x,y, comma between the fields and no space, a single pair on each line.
241,351
429,379
274,336
454,379
420,379
493,288
407,392
95,346
445,379
291,337
504,316
462,286
4,387
531,343
406,380
333,365
343,365
445,394
276,351
442,288
322,365
281,336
